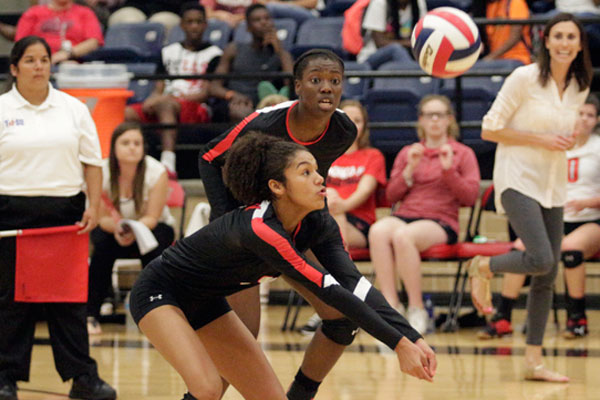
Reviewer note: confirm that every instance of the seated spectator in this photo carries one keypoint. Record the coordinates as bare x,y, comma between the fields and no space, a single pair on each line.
298,10
71,30
264,54
386,28
581,228
180,100
431,180
165,12
512,42
353,180
230,11
135,186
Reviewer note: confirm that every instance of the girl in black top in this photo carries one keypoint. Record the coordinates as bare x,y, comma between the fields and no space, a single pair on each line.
179,299
315,122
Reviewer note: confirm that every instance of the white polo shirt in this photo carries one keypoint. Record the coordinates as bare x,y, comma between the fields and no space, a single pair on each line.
42,148
524,105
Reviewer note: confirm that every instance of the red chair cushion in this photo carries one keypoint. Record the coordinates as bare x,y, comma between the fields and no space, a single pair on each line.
360,254
440,251
470,250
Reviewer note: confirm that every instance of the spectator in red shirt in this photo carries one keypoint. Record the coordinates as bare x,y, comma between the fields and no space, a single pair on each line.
71,30
230,11
430,180
353,180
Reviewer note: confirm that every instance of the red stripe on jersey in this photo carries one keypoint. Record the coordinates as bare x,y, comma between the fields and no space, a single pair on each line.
226,143
286,251
573,169
252,207
443,55
458,22
291,135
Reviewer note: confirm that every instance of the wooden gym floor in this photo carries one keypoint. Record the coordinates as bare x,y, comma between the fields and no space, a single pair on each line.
468,369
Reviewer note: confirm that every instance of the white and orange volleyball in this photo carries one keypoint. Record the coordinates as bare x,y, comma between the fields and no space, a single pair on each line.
446,42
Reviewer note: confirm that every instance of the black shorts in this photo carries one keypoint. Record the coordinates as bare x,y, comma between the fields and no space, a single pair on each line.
452,236
360,224
571,226
152,289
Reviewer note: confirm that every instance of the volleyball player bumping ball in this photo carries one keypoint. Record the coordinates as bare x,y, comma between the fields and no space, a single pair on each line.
315,122
179,299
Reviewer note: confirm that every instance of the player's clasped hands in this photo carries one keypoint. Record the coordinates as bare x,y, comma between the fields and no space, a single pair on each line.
416,359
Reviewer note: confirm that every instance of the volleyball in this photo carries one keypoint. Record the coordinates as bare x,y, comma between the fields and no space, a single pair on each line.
446,42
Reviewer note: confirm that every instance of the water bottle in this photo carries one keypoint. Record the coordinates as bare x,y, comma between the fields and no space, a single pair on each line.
429,307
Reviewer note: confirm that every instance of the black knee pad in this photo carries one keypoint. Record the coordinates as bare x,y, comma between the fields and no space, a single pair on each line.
340,331
571,258
188,396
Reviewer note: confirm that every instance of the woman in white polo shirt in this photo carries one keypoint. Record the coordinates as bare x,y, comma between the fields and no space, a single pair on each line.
48,150
533,122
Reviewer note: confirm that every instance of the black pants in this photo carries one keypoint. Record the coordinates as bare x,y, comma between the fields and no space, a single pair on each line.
66,321
107,250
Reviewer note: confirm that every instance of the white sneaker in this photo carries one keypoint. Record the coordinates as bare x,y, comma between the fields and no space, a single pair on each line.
311,325
401,310
418,319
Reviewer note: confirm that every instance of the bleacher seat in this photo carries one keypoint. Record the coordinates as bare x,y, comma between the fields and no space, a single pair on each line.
336,8
323,33
396,100
464,5
355,87
142,88
130,43
286,32
217,32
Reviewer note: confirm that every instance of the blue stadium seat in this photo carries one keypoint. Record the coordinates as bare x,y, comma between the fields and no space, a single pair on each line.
336,8
419,86
356,88
142,88
396,100
464,5
217,33
286,32
320,33
139,42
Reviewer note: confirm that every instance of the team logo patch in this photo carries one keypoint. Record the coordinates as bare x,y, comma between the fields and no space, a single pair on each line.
14,122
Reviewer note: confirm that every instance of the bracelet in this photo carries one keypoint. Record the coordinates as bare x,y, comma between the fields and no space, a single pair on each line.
229,95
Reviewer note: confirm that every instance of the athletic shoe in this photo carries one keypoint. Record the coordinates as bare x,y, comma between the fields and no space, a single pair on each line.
418,319
311,325
86,387
576,328
8,390
495,329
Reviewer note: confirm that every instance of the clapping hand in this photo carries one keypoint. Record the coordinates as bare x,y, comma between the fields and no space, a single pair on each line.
415,154
446,156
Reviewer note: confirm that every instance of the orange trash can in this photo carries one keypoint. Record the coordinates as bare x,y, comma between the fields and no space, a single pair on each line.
107,107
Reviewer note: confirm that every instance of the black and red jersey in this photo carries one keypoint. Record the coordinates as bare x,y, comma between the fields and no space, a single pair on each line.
235,251
274,121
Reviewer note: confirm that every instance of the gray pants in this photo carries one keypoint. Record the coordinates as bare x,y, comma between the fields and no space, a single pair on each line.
541,231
